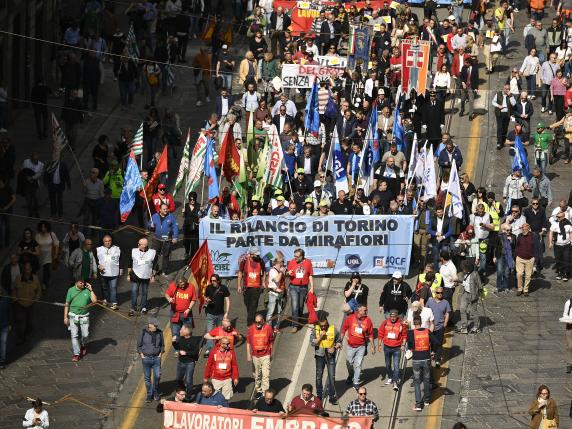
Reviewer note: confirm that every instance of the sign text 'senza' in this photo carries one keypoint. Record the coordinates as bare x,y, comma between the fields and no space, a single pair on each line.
335,244
302,76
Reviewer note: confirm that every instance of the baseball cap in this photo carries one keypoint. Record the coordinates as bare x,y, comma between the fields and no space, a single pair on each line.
397,275
280,198
254,251
391,312
278,192
152,321
323,203
308,200
317,184
162,186
300,170
255,198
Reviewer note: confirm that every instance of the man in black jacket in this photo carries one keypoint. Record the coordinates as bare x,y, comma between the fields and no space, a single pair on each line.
329,33
342,206
188,348
395,295
309,162
279,23
151,346
469,86
57,180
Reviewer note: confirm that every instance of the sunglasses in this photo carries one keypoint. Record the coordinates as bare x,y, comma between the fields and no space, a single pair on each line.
534,204
438,293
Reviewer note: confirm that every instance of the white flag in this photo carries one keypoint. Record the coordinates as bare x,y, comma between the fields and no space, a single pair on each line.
454,197
429,175
412,159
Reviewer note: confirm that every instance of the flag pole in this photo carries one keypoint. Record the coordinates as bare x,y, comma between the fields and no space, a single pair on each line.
77,164
148,208
202,189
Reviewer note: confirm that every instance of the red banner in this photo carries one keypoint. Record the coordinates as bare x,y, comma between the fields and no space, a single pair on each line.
302,18
414,65
202,268
178,415
229,158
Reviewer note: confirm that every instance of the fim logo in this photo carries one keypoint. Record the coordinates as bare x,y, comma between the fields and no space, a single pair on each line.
220,260
328,263
353,261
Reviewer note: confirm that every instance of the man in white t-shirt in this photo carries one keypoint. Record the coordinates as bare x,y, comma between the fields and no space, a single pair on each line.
560,237
276,286
426,314
562,208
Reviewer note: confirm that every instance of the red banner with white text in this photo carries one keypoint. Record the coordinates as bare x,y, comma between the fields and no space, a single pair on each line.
178,415
302,13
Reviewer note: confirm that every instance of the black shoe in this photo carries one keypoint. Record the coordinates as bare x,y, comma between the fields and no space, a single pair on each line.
518,293
461,113
471,116
499,147
349,380
334,401
525,294
568,369
258,395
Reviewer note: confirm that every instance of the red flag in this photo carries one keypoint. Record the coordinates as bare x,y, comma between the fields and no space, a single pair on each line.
202,268
229,157
160,168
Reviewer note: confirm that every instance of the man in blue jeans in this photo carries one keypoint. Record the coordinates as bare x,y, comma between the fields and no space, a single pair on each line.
188,348
326,341
150,347
301,275
420,341
217,306
392,335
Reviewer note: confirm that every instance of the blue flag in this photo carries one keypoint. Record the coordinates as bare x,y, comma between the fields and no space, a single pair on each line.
210,171
520,161
131,185
340,173
398,132
312,117
371,153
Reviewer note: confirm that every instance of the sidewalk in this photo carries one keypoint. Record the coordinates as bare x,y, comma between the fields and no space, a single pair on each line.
83,393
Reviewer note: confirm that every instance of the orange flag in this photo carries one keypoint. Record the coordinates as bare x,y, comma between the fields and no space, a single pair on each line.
229,157
202,268
160,168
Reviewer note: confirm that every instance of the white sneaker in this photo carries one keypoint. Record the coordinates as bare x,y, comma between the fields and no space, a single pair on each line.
543,109
208,99
199,103
3,130
388,382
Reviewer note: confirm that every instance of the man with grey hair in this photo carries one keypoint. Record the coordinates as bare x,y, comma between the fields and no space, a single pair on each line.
250,281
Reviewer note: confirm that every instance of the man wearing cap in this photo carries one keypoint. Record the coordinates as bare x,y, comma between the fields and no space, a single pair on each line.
251,278
395,295
301,275
392,335
150,346
280,208
163,197
319,194
323,209
224,68
302,181
542,139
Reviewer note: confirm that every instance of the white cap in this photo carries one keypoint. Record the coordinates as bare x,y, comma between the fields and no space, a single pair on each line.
225,46
451,18
415,305
397,275
317,184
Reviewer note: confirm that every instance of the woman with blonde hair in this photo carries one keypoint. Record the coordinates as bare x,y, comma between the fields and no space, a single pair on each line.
248,71
543,410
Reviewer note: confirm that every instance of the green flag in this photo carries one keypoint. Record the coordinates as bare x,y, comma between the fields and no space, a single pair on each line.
184,166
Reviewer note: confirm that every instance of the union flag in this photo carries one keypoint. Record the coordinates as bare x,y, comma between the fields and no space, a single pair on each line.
229,158
202,269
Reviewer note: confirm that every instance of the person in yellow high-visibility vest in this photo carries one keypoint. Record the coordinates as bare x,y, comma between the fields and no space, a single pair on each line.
495,210
326,341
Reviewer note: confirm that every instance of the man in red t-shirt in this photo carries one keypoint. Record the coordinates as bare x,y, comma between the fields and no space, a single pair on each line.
251,278
182,297
360,331
259,340
222,369
306,403
301,276
226,330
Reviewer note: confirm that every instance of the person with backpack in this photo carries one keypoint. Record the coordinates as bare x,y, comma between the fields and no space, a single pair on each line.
151,346
470,293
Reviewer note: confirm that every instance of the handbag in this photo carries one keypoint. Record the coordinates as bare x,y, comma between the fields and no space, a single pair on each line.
55,253
549,424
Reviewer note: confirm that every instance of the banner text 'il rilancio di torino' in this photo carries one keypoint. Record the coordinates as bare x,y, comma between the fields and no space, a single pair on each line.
179,415
335,244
